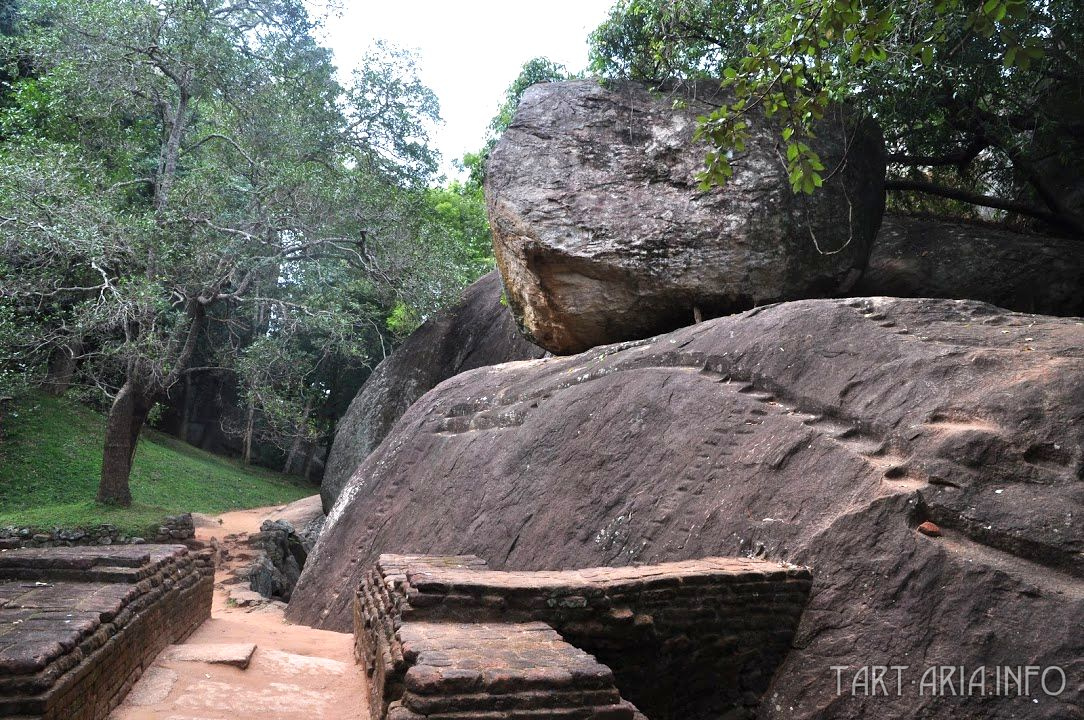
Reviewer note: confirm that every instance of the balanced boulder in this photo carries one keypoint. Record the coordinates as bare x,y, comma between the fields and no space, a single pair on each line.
476,332
602,232
929,257
821,432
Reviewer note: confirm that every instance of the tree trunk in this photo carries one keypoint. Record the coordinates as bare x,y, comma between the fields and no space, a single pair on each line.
126,418
291,457
186,407
131,408
62,364
295,446
250,422
309,455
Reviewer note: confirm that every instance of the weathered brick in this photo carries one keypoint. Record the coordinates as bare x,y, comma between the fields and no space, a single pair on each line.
689,639
120,607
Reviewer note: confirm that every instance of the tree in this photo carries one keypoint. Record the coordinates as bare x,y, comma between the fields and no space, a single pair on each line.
980,101
312,334
174,158
11,375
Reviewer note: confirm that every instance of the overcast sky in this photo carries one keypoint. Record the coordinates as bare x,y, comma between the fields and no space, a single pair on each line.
470,50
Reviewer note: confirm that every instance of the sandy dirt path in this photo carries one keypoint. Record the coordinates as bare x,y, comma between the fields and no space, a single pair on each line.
295,673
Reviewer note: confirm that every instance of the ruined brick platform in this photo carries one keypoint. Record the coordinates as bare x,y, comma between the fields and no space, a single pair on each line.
522,670
694,639
79,624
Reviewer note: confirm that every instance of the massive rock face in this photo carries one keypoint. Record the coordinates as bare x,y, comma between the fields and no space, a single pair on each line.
602,232
478,331
823,432
925,257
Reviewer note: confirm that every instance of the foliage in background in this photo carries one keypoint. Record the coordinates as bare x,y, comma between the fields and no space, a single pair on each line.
980,101
459,209
188,181
534,71
12,375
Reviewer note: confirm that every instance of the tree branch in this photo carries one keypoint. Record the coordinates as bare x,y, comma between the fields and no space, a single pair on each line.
960,158
1060,221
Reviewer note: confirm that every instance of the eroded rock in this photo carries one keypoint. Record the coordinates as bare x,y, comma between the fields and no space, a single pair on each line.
478,331
602,232
822,432
928,257
280,555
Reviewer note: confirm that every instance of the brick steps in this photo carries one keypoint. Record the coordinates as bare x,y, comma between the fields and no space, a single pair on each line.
473,670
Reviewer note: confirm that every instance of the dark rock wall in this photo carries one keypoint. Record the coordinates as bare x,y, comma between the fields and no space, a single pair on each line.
929,257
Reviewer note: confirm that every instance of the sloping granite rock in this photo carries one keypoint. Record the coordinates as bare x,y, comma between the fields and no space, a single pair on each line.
478,331
820,432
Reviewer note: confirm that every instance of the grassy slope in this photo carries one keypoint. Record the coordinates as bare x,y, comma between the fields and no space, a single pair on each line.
52,456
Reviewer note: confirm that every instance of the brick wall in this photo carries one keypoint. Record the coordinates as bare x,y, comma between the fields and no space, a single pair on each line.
79,625
172,529
696,639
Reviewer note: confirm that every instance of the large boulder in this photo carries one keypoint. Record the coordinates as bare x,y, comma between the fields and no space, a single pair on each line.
822,432
478,331
602,232
929,257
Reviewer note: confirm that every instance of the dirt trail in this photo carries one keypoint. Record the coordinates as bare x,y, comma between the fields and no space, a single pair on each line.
295,672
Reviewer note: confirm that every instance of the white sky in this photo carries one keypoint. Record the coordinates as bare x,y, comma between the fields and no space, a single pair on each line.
470,50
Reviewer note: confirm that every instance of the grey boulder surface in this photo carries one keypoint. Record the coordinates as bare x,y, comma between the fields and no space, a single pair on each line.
475,332
602,232
931,257
821,432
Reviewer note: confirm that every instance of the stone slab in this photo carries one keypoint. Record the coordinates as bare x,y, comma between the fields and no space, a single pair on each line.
473,670
236,654
154,687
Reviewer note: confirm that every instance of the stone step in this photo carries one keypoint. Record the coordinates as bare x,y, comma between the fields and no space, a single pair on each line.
476,670
236,654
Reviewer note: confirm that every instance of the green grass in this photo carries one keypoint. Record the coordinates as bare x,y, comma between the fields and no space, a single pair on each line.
51,457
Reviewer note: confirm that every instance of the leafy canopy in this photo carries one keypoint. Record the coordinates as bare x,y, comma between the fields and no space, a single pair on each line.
189,179
980,100
534,71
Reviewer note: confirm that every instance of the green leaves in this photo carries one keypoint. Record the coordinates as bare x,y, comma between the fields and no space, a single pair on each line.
536,70
803,168
168,156
919,67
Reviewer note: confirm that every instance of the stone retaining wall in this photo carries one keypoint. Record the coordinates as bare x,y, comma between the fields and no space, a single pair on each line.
175,528
79,625
694,639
